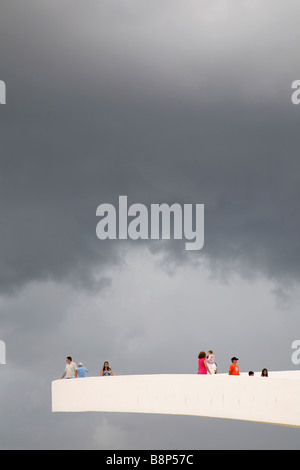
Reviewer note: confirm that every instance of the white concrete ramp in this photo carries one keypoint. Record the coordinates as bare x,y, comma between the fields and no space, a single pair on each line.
275,399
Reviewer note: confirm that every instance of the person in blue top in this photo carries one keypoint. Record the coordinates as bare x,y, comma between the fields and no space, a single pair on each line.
81,371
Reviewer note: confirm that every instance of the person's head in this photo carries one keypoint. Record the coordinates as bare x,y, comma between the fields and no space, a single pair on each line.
251,373
106,366
264,373
69,359
210,352
80,364
234,360
201,355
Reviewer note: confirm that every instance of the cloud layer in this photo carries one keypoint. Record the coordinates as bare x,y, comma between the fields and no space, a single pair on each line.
174,101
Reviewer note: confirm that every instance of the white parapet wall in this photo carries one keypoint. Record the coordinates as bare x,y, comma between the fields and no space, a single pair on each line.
275,399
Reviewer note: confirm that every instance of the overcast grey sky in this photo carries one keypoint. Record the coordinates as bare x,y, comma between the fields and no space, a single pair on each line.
163,101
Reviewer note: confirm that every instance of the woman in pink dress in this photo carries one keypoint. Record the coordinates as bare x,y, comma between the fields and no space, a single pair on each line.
202,364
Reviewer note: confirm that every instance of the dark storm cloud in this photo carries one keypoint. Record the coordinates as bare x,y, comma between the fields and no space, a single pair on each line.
129,101
163,101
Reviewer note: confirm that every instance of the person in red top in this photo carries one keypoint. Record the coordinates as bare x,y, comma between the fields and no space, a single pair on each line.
234,368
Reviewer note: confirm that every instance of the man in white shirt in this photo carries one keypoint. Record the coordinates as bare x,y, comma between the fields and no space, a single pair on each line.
70,370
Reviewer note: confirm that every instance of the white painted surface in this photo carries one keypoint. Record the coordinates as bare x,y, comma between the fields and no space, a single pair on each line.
275,399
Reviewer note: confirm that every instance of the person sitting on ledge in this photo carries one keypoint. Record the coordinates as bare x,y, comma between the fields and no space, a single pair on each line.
210,360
